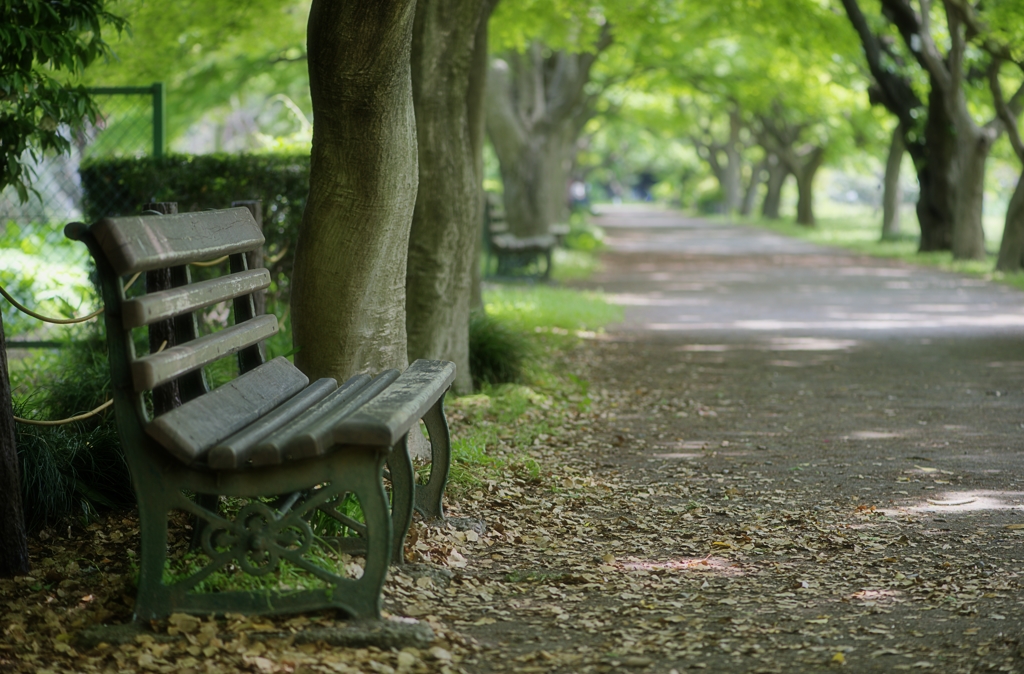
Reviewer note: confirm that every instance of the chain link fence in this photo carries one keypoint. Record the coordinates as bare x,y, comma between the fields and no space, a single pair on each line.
38,266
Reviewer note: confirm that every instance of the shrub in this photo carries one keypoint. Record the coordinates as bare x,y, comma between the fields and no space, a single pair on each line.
497,353
77,468
281,181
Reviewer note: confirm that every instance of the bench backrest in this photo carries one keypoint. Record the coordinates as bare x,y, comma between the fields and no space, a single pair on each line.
124,247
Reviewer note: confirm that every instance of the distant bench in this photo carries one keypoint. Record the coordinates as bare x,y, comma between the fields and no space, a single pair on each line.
517,257
288,454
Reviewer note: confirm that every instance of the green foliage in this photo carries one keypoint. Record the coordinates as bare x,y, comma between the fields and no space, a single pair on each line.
78,468
43,45
281,181
44,271
497,352
543,308
214,57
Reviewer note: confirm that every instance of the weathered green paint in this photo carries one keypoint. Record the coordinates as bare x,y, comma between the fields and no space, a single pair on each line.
263,535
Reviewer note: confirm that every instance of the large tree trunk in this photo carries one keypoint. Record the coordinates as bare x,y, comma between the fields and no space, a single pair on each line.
348,303
13,544
892,194
805,173
1011,249
777,174
446,222
535,108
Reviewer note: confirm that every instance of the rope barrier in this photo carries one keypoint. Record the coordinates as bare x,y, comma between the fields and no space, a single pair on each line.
58,321
77,417
61,422
210,263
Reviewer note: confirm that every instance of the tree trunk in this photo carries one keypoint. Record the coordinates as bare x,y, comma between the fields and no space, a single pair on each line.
934,161
446,222
13,543
753,187
892,194
932,154
973,145
1011,249
348,303
477,134
535,108
734,164
805,188
777,174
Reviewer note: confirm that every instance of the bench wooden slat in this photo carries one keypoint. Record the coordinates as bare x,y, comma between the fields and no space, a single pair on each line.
142,243
317,438
234,452
271,451
158,306
389,416
532,244
188,431
150,371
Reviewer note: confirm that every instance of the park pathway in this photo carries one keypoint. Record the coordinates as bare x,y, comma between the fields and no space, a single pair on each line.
798,459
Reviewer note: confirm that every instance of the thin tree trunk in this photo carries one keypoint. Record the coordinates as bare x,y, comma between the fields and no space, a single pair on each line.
734,164
477,133
13,542
348,303
445,224
1011,249
973,145
777,174
892,194
753,187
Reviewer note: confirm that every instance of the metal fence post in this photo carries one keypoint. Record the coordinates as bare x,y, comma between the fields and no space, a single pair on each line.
159,119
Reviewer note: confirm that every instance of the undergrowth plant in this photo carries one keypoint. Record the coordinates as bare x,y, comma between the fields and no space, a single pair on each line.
74,469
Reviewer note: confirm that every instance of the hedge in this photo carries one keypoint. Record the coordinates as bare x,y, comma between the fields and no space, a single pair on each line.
114,187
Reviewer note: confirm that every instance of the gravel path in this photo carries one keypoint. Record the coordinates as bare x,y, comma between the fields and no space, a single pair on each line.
797,459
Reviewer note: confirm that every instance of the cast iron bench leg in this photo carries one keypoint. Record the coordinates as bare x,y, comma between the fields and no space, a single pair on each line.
429,495
402,486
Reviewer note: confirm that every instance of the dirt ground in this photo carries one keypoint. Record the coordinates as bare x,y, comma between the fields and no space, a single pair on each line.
798,459
793,460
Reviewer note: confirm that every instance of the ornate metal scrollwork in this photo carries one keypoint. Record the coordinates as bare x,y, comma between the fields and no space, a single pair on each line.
257,539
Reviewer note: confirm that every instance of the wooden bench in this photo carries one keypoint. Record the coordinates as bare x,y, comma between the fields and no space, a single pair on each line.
517,258
279,473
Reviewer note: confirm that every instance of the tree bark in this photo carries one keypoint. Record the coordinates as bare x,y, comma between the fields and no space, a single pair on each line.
757,172
805,171
973,141
973,146
892,194
1011,248
934,159
931,151
446,221
348,303
535,108
477,134
777,174
13,541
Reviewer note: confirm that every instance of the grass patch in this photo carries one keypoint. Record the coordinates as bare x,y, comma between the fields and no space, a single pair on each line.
534,307
859,232
494,430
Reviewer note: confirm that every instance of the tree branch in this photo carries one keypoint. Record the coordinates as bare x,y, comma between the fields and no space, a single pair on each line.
1005,112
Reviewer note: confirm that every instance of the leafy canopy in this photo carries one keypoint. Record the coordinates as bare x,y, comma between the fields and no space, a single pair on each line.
44,46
